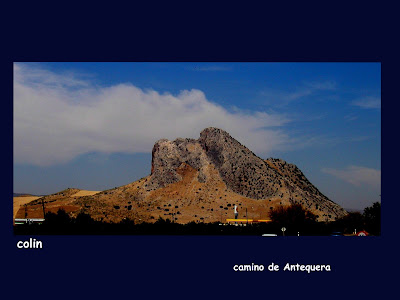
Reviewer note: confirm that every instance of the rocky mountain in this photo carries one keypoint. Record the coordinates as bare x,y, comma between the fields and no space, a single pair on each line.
201,180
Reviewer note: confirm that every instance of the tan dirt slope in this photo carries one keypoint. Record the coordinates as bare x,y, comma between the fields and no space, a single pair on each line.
61,200
21,201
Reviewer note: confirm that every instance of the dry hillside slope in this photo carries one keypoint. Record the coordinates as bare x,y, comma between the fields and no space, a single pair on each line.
201,180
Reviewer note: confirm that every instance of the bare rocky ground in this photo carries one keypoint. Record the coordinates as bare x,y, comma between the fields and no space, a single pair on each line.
199,180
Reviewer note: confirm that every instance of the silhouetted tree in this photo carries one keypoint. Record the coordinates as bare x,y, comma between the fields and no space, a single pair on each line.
348,223
83,219
60,218
372,216
295,217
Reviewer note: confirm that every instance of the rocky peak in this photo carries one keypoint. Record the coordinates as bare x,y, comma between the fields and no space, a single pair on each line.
241,170
168,156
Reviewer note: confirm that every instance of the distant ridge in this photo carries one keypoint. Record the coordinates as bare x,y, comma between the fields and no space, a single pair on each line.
26,195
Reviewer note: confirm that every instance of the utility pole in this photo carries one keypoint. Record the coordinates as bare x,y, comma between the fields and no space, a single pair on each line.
26,211
44,212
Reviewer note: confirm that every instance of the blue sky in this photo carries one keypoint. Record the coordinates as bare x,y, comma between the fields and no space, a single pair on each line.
92,125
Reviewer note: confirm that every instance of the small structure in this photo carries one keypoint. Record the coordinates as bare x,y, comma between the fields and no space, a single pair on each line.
28,221
250,221
362,233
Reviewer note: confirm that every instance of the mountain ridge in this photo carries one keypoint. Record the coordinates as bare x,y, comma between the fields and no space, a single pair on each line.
201,180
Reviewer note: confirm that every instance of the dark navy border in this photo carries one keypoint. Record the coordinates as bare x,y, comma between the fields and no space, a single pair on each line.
201,266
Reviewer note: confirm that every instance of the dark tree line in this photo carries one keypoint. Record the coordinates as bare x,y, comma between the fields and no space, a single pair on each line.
296,220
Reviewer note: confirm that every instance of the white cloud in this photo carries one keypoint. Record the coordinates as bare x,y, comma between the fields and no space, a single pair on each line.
60,116
368,102
357,175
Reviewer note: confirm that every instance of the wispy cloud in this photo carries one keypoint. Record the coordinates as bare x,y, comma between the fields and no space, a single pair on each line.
38,76
329,85
368,102
213,68
350,117
60,116
357,175
298,140
282,98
